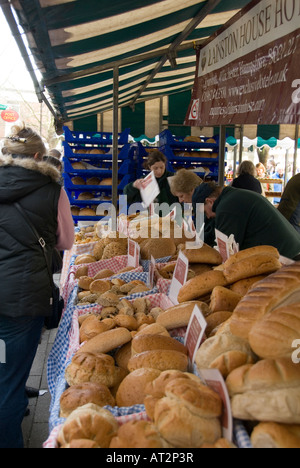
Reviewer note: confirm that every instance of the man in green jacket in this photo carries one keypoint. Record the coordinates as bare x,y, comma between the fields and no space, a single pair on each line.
250,218
289,206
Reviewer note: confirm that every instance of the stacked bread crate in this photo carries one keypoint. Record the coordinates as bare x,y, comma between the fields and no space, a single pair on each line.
88,171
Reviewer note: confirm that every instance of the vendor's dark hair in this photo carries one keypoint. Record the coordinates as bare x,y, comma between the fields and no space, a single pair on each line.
155,157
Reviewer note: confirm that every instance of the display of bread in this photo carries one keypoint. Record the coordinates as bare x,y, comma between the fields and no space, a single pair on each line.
128,353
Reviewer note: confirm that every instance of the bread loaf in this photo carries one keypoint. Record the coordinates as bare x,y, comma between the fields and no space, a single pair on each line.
188,415
243,286
215,320
89,422
277,290
205,254
132,389
138,434
247,253
251,266
201,285
146,342
91,328
224,352
273,335
159,359
179,316
223,299
84,258
266,391
82,394
158,248
107,341
87,367
273,435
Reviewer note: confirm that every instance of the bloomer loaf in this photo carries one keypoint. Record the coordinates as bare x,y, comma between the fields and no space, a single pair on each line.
266,391
273,336
277,290
273,435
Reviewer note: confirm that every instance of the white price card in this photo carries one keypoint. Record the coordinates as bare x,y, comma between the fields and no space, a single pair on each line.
226,245
150,189
214,380
133,254
179,277
195,333
151,273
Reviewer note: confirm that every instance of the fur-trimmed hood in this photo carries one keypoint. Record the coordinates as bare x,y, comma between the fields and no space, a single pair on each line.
21,176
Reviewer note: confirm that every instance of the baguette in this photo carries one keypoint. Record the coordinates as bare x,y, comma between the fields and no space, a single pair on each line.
201,285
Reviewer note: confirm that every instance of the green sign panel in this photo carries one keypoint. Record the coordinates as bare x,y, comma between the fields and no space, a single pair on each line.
3,107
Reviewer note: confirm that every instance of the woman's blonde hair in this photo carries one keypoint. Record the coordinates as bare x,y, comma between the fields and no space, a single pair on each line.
23,141
184,181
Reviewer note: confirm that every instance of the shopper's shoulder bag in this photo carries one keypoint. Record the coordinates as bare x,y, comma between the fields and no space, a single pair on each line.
57,301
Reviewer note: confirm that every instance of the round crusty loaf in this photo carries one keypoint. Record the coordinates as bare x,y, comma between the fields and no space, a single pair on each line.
89,422
201,285
84,282
159,359
132,389
266,391
273,435
80,395
100,286
147,342
255,265
92,327
224,352
179,316
107,341
138,434
273,335
158,248
87,367
102,274
205,254
188,416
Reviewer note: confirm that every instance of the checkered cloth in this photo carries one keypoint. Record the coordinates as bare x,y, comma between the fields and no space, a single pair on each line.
241,436
145,263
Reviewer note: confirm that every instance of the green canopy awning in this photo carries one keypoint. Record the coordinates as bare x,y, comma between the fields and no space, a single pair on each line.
75,44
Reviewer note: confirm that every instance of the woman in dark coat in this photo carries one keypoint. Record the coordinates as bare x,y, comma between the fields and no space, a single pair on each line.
26,290
247,178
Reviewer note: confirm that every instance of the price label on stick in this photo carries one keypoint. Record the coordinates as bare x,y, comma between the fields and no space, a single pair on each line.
151,272
179,277
133,254
214,380
195,333
150,189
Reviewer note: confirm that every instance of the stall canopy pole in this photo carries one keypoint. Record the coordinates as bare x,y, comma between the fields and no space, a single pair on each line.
295,163
115,147
222,155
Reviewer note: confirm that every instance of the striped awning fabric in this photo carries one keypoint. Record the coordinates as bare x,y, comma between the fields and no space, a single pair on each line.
75,44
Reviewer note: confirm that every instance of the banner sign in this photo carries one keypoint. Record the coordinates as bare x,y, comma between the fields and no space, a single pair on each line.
248,72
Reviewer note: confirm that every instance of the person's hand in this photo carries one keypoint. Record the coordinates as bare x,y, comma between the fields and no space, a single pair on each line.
138,184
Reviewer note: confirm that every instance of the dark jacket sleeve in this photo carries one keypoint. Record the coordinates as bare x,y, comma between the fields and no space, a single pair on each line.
133,194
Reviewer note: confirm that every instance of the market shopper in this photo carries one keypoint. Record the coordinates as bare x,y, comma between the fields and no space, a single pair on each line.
24,278
246,178
289,205
156,162
186,185
250,218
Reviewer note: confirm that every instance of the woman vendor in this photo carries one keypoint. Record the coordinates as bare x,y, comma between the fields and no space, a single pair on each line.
156,163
